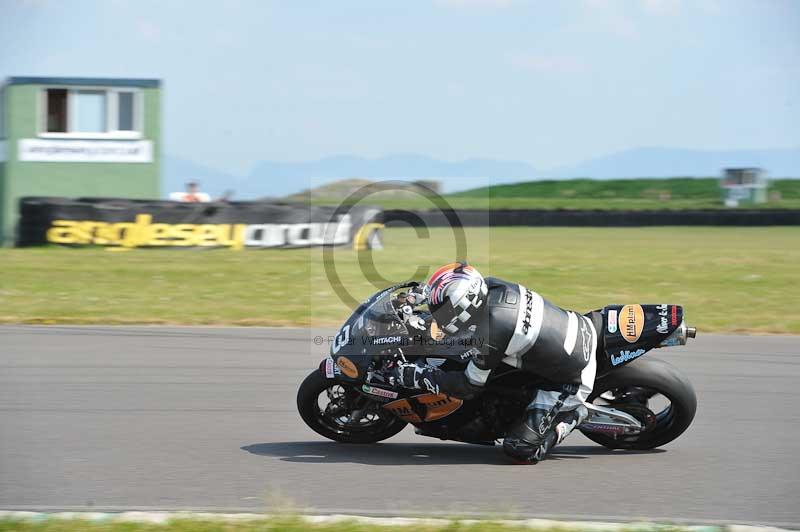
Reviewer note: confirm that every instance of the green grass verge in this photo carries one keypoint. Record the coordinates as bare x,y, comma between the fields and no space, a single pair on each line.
583,194
728,279
281,524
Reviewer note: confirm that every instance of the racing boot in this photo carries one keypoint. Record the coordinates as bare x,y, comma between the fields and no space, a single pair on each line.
528,441
543,427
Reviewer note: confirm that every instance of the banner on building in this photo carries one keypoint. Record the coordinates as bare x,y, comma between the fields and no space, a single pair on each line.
85,151
234,225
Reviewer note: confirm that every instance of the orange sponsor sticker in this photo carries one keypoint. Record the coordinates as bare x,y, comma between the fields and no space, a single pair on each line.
402,409
347,367
438,405
631,322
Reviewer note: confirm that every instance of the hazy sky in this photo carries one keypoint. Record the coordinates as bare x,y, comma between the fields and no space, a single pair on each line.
545,82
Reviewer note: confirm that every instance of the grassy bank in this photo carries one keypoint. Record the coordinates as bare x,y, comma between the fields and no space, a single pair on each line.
583,194
729,279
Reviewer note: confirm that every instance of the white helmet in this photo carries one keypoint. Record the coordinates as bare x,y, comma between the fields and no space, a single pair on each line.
456,296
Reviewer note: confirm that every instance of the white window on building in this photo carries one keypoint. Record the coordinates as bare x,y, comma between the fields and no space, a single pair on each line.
92,113
125,111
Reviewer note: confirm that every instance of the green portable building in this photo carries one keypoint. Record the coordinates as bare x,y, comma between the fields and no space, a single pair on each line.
77,137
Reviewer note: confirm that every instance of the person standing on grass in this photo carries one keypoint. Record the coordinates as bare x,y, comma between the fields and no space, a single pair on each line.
192,194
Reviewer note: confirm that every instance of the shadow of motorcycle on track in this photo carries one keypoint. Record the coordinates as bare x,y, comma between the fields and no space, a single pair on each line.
316,452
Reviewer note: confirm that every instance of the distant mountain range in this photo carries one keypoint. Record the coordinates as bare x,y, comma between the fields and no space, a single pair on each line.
278,179
669,162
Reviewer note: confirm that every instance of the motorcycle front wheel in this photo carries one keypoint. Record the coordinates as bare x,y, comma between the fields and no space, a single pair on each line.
338,412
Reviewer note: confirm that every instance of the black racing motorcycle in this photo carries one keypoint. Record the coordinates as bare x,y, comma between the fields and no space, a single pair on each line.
636,403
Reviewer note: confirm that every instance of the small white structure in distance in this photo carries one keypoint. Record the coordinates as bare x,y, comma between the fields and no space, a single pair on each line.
744,185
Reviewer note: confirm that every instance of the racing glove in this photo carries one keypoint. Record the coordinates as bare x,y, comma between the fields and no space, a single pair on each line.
433,380
408,375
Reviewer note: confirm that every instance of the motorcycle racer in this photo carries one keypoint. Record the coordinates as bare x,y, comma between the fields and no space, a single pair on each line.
518,327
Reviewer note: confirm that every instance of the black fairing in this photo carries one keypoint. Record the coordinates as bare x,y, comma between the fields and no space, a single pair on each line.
373,329
629,331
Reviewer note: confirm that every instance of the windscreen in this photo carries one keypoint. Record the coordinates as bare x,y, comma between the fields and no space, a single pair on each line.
379,318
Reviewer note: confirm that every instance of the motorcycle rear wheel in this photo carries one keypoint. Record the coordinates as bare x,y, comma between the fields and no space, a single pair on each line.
647,376
335,421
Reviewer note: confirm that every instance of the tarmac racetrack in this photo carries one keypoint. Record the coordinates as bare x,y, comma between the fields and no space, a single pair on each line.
204,418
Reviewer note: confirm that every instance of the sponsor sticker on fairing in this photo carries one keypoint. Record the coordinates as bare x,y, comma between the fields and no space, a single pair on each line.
662,326
380,392
348,368
612,321
625,356
631,322
382,340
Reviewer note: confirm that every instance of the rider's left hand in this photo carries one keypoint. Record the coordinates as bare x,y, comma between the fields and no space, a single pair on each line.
405,375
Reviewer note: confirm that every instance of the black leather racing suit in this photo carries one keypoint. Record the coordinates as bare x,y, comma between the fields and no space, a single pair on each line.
522,329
